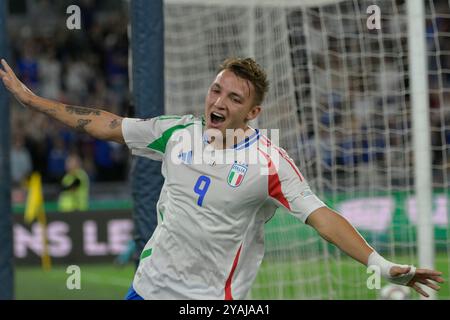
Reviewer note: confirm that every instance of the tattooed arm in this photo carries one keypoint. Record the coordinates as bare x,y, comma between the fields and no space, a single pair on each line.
97,123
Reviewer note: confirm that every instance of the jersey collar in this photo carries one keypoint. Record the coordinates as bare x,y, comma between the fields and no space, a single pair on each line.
244,144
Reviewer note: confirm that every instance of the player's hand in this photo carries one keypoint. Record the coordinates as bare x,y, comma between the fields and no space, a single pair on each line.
14,85
422,276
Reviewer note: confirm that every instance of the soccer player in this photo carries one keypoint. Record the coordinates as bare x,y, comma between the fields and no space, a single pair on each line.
210,242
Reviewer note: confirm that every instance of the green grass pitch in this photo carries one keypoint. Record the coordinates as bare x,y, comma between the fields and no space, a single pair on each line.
109,282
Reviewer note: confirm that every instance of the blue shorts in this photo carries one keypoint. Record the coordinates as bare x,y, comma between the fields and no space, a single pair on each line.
132,295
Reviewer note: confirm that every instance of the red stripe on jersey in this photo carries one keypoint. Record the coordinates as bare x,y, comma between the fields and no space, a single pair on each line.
275,184
292,165
264,140
268,143
228,295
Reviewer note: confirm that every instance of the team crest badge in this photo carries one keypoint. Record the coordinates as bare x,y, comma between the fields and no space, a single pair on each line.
237,174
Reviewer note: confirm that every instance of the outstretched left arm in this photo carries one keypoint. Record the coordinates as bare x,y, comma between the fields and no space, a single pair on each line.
336,229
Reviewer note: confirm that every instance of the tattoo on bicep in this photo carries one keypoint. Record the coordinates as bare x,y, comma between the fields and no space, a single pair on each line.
115,123
82,111
82,123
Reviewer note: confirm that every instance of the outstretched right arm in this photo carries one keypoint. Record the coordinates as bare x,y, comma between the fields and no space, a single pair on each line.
97,123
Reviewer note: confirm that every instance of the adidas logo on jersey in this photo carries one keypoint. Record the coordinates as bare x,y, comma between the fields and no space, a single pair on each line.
185,157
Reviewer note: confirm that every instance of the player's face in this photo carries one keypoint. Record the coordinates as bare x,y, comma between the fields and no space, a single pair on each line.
229,103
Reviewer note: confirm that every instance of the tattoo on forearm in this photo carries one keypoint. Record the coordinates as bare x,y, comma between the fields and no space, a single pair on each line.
81,111
49,112
82,123
114,124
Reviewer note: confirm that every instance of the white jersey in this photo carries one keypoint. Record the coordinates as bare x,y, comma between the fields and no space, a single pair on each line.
210,242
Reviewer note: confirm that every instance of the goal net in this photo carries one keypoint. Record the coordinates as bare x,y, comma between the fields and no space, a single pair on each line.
340,97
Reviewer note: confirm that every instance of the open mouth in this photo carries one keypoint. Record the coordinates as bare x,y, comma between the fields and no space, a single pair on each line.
217,118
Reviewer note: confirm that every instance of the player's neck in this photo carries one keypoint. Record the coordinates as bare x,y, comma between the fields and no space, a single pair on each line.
231,140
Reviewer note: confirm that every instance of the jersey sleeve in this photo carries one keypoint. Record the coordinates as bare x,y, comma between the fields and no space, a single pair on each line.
288,188
149,137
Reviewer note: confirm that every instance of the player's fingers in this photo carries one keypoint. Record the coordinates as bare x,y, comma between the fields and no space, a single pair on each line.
5,65
8,68
420,290
430,284
428,272
4,76
434,278
6,81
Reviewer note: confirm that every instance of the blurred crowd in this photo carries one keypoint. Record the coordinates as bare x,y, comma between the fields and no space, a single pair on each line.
354,96
86,67
360,108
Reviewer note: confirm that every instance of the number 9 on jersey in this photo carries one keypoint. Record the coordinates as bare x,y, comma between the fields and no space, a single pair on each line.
201,187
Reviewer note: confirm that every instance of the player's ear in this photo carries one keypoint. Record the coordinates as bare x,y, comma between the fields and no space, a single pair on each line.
253,113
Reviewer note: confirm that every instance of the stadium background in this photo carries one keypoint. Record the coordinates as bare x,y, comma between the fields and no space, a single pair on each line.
89,67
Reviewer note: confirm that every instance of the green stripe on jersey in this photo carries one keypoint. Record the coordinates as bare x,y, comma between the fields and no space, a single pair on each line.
169,117
146,253
161,143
